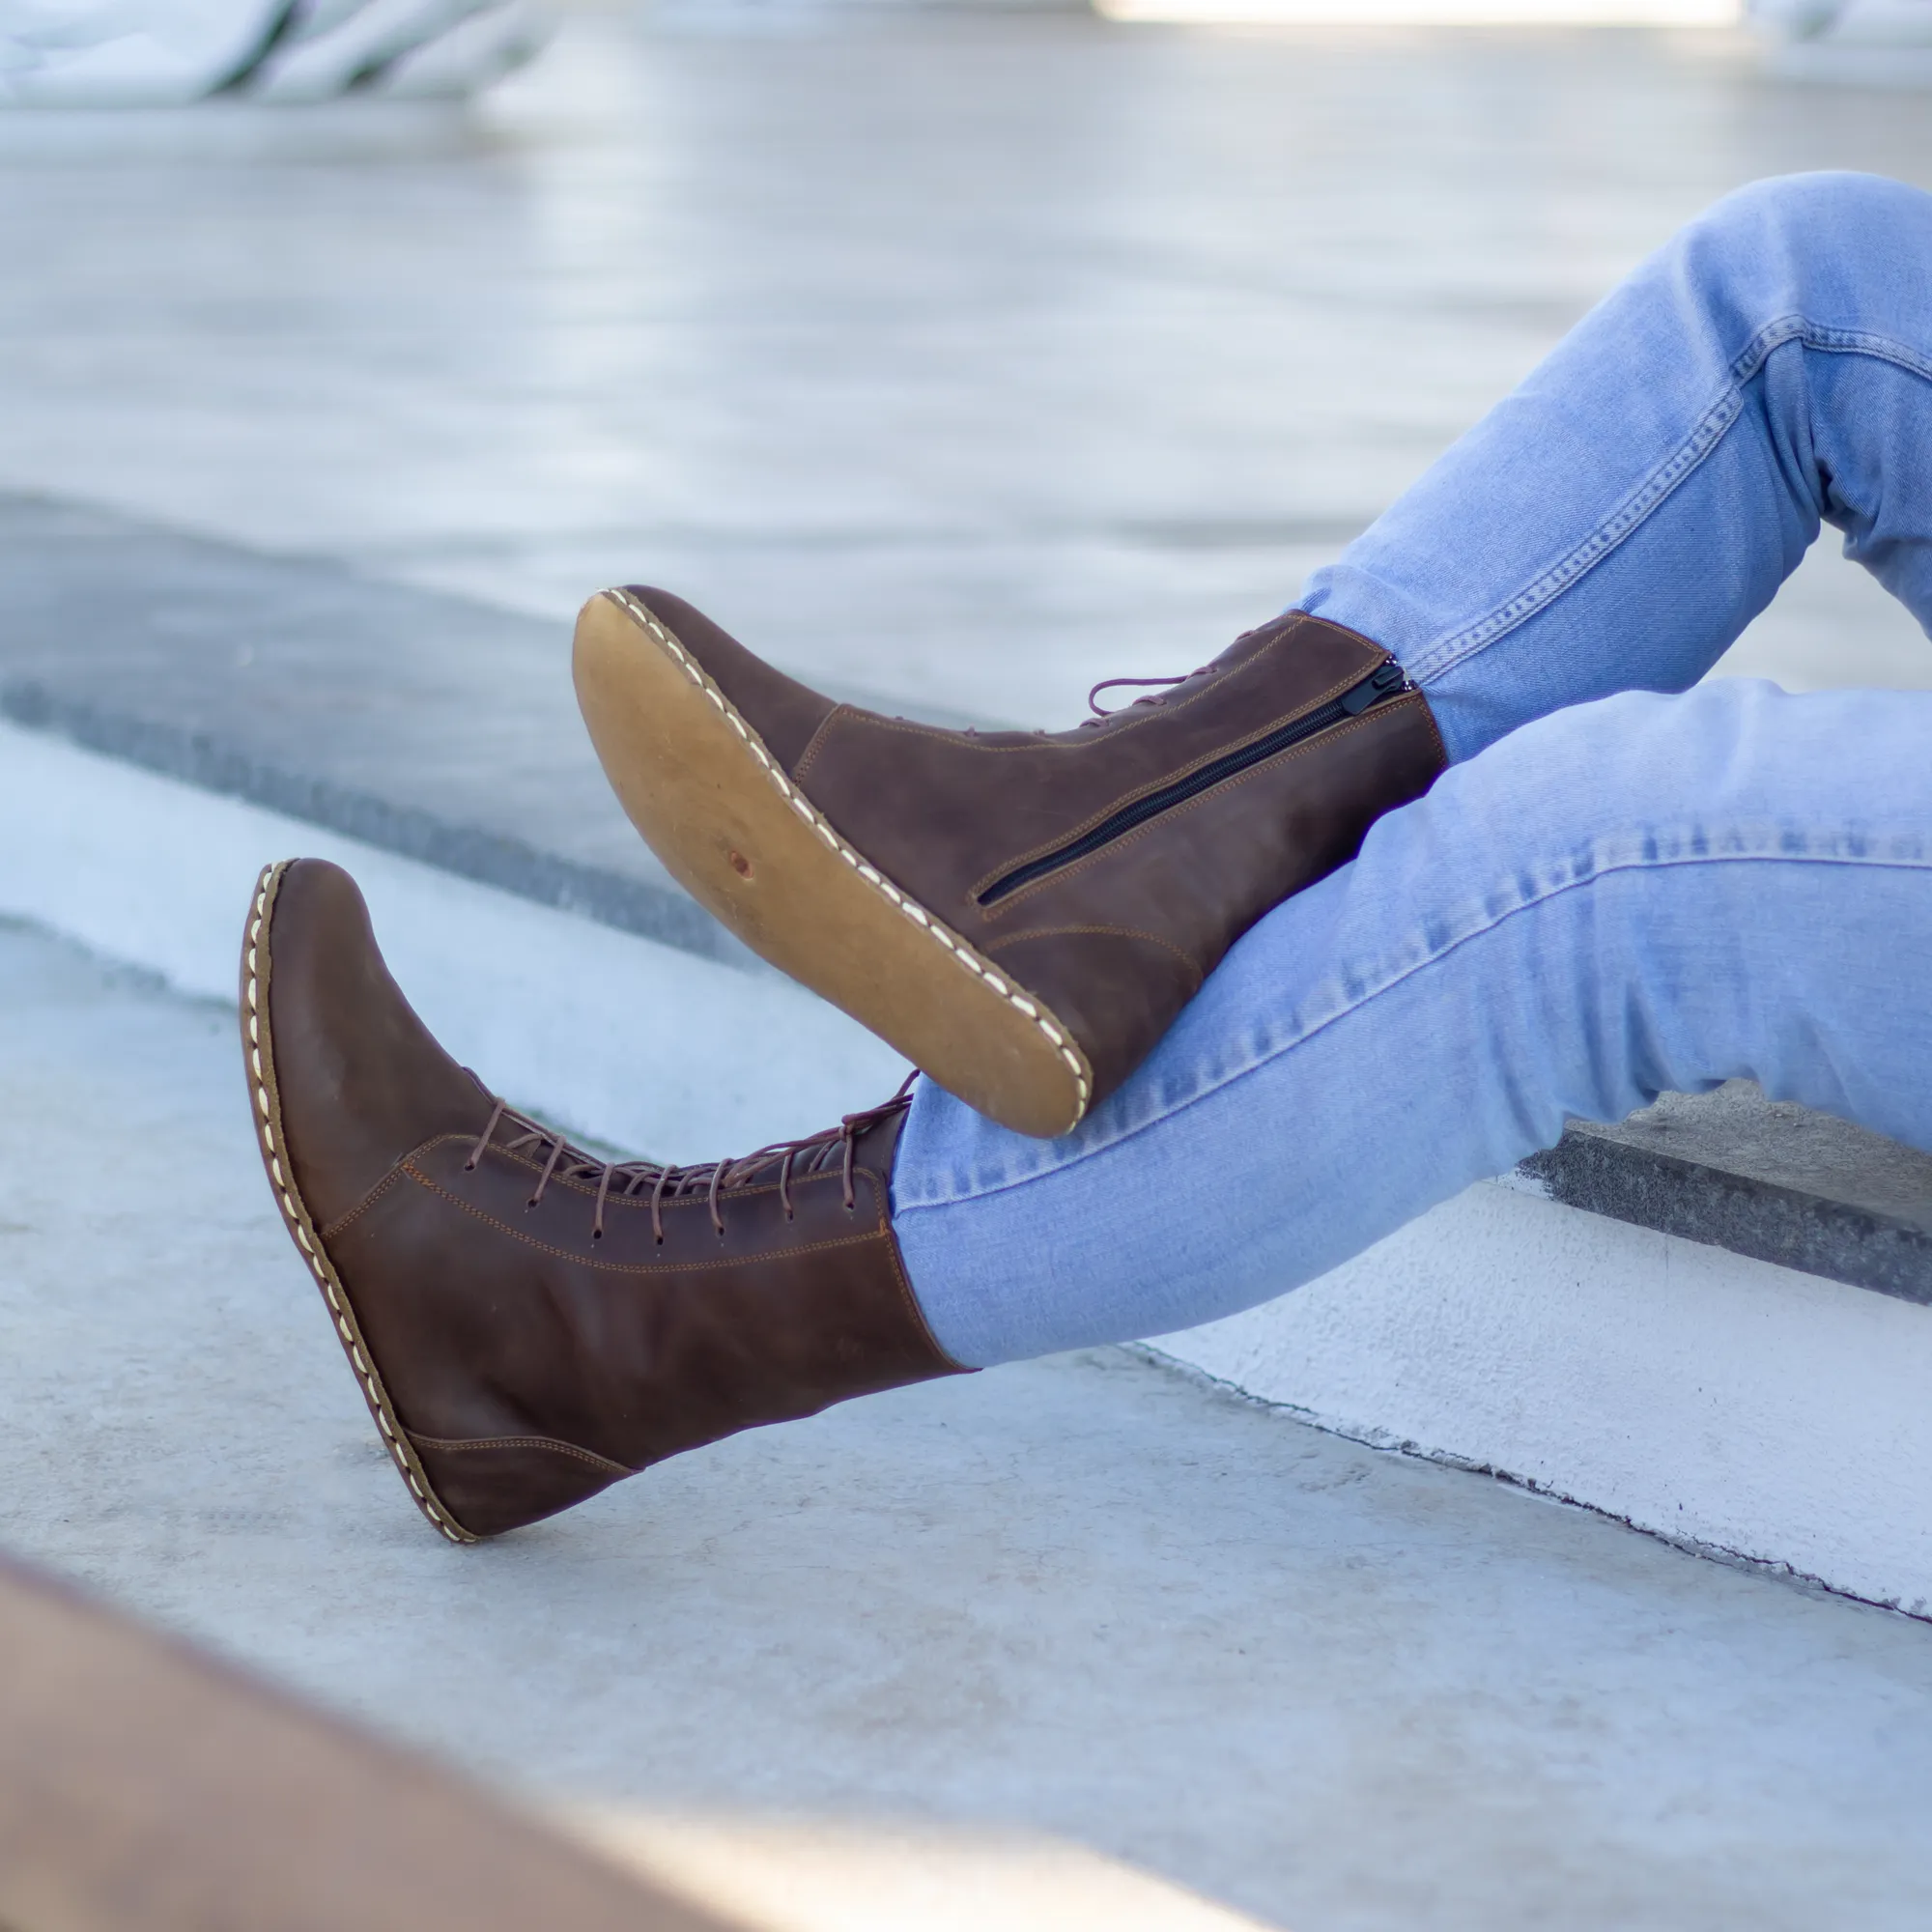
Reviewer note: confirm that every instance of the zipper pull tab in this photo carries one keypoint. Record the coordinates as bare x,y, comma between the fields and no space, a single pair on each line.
1384,679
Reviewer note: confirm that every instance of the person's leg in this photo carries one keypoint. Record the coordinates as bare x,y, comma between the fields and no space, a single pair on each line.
1642,893
1637,894
1628,896
1617,522
1024,914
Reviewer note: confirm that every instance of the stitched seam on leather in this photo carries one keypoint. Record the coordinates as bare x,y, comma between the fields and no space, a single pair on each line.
454,1447
818,737
1192,964
965,954
908,728
1323,741
363,1206
259,1032
1345,630
590,1260
1126,722
911,1301
1436,733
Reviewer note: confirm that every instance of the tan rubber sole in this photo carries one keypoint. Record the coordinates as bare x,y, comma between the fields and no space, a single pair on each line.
745,842
258,1049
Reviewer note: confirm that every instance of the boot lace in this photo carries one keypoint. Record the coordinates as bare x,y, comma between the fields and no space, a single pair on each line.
817,1154
1102,714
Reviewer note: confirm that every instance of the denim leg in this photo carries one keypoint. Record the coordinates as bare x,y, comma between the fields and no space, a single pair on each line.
1640,893
1631,895
1619,520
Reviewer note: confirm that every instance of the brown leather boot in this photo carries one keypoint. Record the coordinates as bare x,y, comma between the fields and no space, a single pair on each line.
1021,913
530,1322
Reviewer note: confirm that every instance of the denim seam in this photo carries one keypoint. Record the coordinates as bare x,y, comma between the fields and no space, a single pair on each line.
1773,336
1705,435
1253,1067
1644,498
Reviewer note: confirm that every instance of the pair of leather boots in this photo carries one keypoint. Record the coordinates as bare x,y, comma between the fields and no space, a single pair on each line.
1020,914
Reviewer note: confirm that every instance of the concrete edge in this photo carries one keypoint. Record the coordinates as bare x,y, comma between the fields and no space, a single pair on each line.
660,913
1813,1234
1390,1442
610,1035
1736,1408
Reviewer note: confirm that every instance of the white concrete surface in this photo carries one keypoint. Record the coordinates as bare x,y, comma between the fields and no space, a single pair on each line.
634,1044
1725,1401
1343,1691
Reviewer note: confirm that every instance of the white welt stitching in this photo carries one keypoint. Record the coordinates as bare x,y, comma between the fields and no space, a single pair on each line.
812,817
293,1214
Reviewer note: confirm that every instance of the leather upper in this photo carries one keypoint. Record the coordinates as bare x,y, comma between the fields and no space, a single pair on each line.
1114,943
532,1358
363,1079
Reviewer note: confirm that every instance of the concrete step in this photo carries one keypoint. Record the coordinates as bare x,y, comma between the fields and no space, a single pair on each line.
1712,1322
934,1641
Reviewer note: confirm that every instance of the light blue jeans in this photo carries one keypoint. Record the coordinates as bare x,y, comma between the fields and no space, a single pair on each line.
1613,890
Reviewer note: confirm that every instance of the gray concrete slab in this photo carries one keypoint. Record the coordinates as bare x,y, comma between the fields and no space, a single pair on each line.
1339,1689
434,726
1762,1177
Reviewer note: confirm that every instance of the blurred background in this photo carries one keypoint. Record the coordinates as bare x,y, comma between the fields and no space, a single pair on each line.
954,354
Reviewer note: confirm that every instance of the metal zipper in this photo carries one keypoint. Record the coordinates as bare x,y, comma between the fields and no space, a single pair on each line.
1385,681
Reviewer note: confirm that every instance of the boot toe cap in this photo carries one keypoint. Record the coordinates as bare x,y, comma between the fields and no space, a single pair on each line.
340,1062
